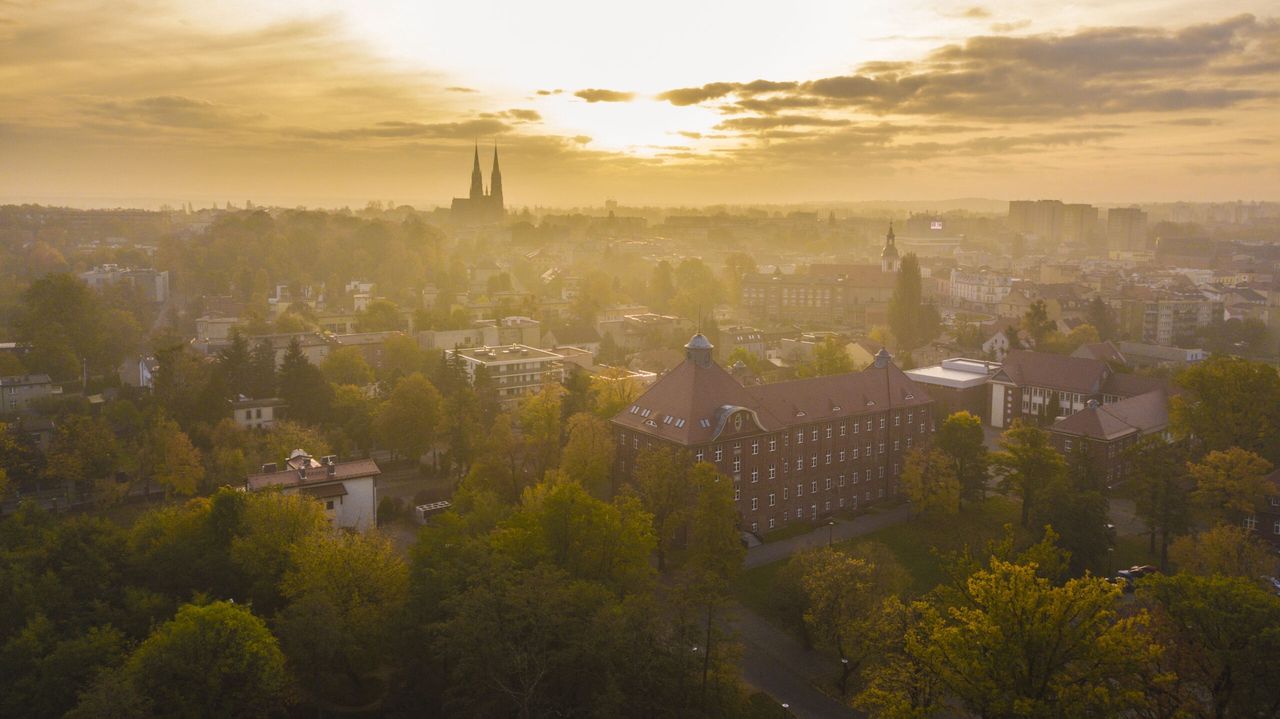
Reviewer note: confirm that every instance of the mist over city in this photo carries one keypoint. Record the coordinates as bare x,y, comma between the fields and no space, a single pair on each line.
689,360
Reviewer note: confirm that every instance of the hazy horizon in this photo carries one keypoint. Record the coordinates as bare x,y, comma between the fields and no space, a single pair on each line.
331,103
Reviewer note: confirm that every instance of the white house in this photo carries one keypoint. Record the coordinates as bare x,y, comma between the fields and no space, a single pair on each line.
348,490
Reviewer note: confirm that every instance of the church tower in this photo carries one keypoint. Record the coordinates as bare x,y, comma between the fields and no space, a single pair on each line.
477,182
889,261
495,186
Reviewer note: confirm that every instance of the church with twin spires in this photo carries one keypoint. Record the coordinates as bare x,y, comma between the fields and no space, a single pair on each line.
480,207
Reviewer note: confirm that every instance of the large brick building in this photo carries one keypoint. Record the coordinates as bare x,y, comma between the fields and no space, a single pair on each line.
1107,432
795,450
1041,384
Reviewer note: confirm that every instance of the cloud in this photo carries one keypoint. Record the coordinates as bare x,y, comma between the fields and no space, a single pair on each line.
175,111
459,88
975,12
1093,71
524,115
774,121
468,129
1010,26
599,95
549,92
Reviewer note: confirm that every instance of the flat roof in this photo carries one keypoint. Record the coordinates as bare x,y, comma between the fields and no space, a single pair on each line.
505,353
956,373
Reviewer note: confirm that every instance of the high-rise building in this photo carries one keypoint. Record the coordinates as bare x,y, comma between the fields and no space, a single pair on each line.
1053,222
1126,229
480,207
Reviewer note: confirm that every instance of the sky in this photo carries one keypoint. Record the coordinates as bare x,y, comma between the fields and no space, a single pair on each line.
330,103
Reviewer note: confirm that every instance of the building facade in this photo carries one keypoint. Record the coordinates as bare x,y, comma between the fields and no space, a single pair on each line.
515,371
348,490
1044,386
1105,433
796,451
480,206
19,392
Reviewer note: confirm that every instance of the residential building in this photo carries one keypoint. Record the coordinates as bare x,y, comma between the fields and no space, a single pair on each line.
1126,229
347,490
153,285
795,451
256,413
1045,386
19,392
1165,316
1139,354
513,330
370,344
1266,520
515,371
1106,432
980,289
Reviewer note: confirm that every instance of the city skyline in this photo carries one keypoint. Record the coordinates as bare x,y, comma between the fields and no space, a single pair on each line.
330,103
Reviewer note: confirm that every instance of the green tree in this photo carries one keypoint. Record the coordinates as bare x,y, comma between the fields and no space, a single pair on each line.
1224,636
829,358
929,481
1161,491
303,386
83,448
1037,324
270,527
262,370
1075,505
1230,484
379,316
346,594
1232,403
841,601
401,357
1226,550
662,287
169,459
661,481
1102,317
912,321
1017,645
215,660
408,420
588,455
541,426
961,439
1026,464
235,363
346,365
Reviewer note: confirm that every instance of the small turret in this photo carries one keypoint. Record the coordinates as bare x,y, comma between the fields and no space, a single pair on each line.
889,261
699,350
883,358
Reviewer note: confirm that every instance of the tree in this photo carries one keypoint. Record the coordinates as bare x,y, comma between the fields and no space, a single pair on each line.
271,525
913,322
1102,317
1232,403
1075,505
929,480
262,370
345,596
1017,645
661,481
379,316
588,455
1026,463
614,392
169,458
303,386
401,357
1230,484
1224,635
662,286
1037,323
1161,491
216,660
235,363
346,365
961,439
540,427
1226,550
829,358
82,448
841,601
408,420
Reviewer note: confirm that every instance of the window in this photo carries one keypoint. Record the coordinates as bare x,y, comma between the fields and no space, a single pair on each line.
813,461
881,472
842,503
868,495
699,456
737,494
755,475
843,429
882,448
786,493
771,522
868,424
908,443
755,503
814,434
800,490
328,504
855,477
855,427
813,487
869,453
842,453
909,415
828,484
828,458
1251,523
1275,528
755,527
855,452
719,454
799,463
755,447
737,465
799,437
897,420
826,506
773,499
896,446
773,444
842,480
881,422
773,472
828,431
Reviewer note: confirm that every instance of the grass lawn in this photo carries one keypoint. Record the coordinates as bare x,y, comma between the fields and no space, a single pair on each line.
912,543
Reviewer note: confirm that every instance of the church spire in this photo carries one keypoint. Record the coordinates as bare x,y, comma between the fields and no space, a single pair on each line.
495,181
477,182
889,261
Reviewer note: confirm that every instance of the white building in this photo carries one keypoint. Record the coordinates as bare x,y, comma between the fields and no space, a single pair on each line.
515,371
979,288
153,284
256,413
348,490
19,392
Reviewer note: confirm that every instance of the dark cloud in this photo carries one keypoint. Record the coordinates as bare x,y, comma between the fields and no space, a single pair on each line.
975,12
1192,121
466,129
458,88
175,111
1010,26
600,95
524,115
768,122
548,92
1101,70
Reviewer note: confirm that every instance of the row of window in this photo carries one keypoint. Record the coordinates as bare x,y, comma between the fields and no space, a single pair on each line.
799,512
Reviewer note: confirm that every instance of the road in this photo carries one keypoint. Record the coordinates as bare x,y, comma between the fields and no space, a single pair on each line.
770,552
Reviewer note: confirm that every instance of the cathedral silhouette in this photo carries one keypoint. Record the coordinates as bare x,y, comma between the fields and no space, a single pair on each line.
480,207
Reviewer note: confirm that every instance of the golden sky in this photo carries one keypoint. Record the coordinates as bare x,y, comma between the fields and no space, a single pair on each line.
327,103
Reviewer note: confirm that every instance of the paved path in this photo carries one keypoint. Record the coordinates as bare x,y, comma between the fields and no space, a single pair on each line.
843,529
776,663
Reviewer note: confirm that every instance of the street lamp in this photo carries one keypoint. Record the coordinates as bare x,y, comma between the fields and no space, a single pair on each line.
1111,555
831,528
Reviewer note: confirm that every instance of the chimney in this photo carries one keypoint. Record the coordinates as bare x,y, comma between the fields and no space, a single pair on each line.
883,358
270,467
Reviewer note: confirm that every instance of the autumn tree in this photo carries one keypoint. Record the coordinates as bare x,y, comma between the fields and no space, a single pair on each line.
408,420
1026,463
215,660
1075,505
829,358
1037,323
913,322
1230,484
588,455
1232,403
842,599
929,481
961,439
347,365
541,426
168,458
1227,550
303,386
661,481
1161,491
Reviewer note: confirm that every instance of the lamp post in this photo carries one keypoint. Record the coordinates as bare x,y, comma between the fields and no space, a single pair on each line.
831,528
